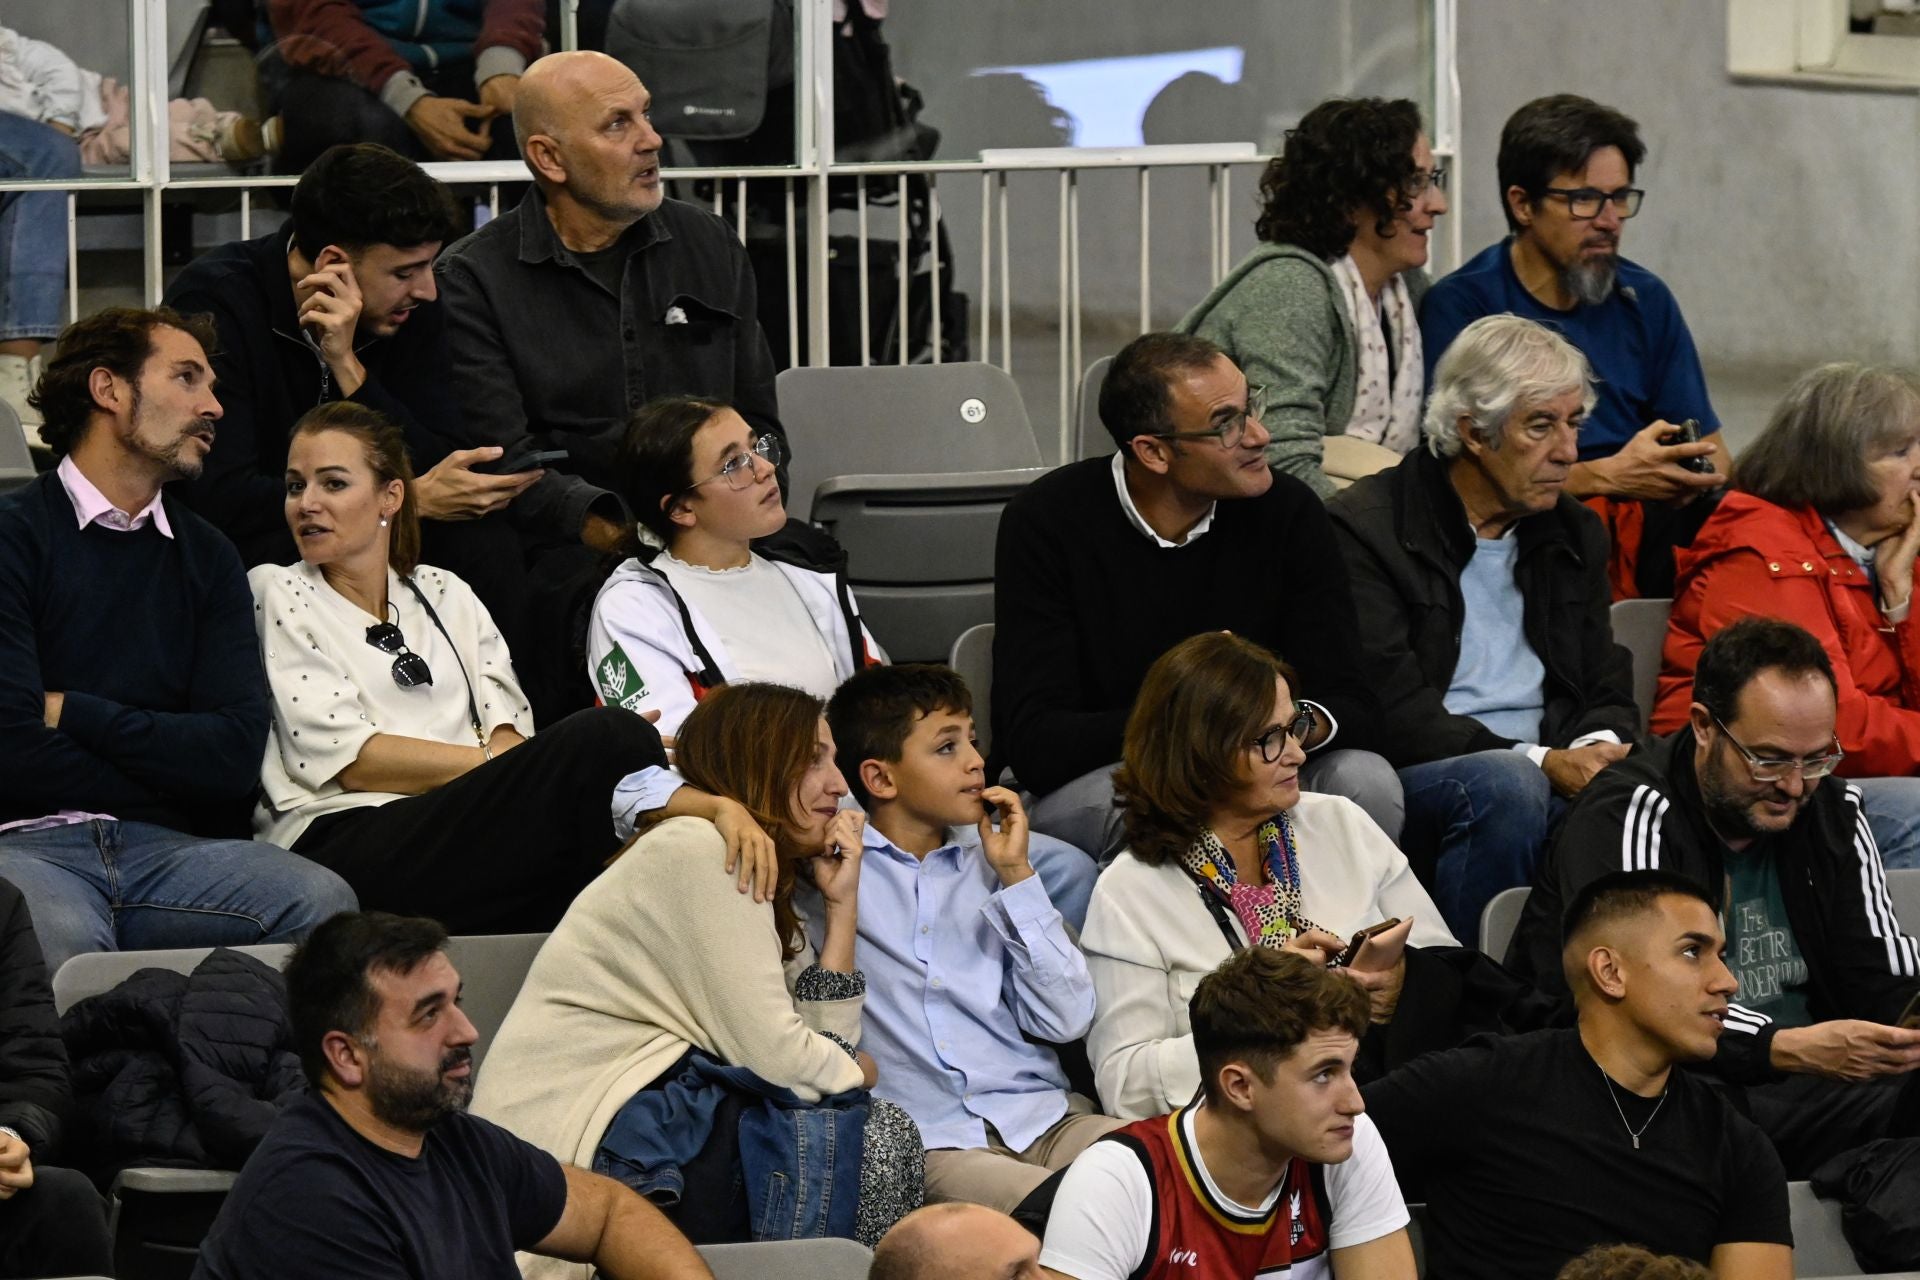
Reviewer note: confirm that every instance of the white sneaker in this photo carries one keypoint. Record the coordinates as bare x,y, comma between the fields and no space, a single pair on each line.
17,376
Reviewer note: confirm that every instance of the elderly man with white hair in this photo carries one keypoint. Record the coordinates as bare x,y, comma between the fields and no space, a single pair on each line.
1481,587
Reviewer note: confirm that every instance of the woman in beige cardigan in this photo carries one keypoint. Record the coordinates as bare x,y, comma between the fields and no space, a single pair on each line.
661,954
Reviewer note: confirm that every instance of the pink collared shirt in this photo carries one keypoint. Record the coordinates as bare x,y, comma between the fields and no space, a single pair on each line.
90,506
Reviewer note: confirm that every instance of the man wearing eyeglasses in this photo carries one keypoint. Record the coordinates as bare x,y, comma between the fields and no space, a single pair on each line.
1738,801
1566,170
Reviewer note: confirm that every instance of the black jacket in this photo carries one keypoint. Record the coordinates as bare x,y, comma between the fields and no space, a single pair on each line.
1406,540
183,1069
1645,812
269,376
36,1100
542,348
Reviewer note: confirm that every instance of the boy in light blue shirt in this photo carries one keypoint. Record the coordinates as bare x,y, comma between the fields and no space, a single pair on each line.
964,952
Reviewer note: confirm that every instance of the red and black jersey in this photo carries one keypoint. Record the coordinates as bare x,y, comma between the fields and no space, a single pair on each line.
1195,1235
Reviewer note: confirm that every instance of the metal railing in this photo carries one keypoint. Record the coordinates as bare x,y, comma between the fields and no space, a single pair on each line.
807,185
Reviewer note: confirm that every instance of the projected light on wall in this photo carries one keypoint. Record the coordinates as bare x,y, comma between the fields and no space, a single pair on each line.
1107,98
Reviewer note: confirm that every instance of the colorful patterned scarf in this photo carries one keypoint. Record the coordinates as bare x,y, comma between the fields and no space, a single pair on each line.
1271,913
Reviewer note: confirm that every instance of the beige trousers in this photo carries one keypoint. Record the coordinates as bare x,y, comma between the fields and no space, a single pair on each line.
998,1176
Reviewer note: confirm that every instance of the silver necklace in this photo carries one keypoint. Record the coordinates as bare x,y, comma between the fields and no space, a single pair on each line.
1615,1099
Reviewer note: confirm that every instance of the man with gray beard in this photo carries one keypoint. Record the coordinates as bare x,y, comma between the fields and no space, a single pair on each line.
1566,171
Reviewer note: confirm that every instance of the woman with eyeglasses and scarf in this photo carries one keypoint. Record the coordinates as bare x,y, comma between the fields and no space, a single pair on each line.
1224,851
706,608
402,753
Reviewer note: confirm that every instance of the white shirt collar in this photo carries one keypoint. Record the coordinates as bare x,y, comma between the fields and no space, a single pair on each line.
90,506
1139,521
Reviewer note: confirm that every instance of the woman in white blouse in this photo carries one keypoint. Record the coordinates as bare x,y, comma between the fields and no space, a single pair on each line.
402,753
660,957
1226,851
708,609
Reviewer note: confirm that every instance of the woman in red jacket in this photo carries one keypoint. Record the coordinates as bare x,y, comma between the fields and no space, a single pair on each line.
1821,529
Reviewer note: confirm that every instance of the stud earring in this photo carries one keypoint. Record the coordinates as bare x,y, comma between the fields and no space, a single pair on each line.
383,522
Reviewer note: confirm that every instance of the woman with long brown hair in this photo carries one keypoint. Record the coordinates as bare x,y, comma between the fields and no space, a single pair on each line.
660,962
402,754
1226,851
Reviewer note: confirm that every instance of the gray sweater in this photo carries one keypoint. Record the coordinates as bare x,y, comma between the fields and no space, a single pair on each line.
1280,316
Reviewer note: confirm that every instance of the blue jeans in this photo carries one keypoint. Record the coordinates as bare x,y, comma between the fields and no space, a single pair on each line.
1892,806
33,228
1475,825
105,885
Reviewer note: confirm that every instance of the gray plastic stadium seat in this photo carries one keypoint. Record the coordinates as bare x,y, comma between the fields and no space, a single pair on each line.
1903,886
824,1259
16,459
972,657
899,420
1091,439
1641,626
1820,1248
1499,918
920,551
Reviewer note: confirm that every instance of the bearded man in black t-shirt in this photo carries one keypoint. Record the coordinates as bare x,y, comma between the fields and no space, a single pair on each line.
1530,1149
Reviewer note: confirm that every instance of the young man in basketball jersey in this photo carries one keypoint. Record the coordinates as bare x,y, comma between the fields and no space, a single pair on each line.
1273,1171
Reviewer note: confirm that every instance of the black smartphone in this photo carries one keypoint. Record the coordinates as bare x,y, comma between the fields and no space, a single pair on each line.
1352,949
1910,1016
1688,432
528,460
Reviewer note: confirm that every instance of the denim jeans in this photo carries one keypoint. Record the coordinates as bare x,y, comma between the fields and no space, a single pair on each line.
33,228
1479,823
104,885
1892,806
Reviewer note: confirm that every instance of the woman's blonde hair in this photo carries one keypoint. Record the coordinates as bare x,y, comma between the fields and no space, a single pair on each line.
1201,706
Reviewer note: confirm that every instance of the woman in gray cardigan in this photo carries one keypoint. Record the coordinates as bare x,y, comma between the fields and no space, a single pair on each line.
1322,315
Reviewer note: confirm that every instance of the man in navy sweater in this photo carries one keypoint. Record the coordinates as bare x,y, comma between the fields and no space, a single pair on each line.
133,705
1105,564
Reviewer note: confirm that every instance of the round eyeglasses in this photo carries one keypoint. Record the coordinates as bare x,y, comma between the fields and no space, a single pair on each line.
738,470
1273,743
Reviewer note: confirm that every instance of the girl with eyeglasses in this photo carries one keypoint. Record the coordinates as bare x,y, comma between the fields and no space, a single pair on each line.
402,752
706,608
1224,852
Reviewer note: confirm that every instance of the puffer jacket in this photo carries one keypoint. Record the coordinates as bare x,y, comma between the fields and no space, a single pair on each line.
1754,557
36,1101
182,1069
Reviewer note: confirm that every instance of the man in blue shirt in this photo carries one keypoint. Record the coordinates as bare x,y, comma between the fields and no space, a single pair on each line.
1566,170
962,948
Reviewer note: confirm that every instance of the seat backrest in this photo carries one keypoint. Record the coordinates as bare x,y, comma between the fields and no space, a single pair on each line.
492,970
972,657
1091,439
1641,626
1499,918
821,1259
93,972
16,460
1903,886
893,419
1820,1248
101,43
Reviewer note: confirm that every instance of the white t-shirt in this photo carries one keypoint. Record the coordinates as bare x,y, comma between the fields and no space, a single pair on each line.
770,635
1103,1211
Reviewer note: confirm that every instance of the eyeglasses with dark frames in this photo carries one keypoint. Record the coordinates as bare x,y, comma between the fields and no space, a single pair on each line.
1232,430
1584,203
1417,185
738,470
409,668
1774,769
1272,744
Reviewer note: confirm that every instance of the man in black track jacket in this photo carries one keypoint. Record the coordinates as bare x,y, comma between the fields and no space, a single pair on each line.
1740,801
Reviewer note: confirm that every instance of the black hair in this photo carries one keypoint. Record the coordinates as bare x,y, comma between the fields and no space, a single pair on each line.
1555,135
327,987
117,339
1741,651
872,713
361,193
1627,893
655,462
1135,398
1345,154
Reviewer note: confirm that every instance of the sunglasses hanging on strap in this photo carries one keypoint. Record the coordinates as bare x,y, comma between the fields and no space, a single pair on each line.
410,670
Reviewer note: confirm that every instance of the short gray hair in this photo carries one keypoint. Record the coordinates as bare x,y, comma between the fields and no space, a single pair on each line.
1499,364
1833,420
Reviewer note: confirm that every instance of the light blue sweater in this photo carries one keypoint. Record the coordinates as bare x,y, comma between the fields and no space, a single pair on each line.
1500,680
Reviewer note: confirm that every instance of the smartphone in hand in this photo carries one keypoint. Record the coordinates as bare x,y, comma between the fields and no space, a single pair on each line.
1346,954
